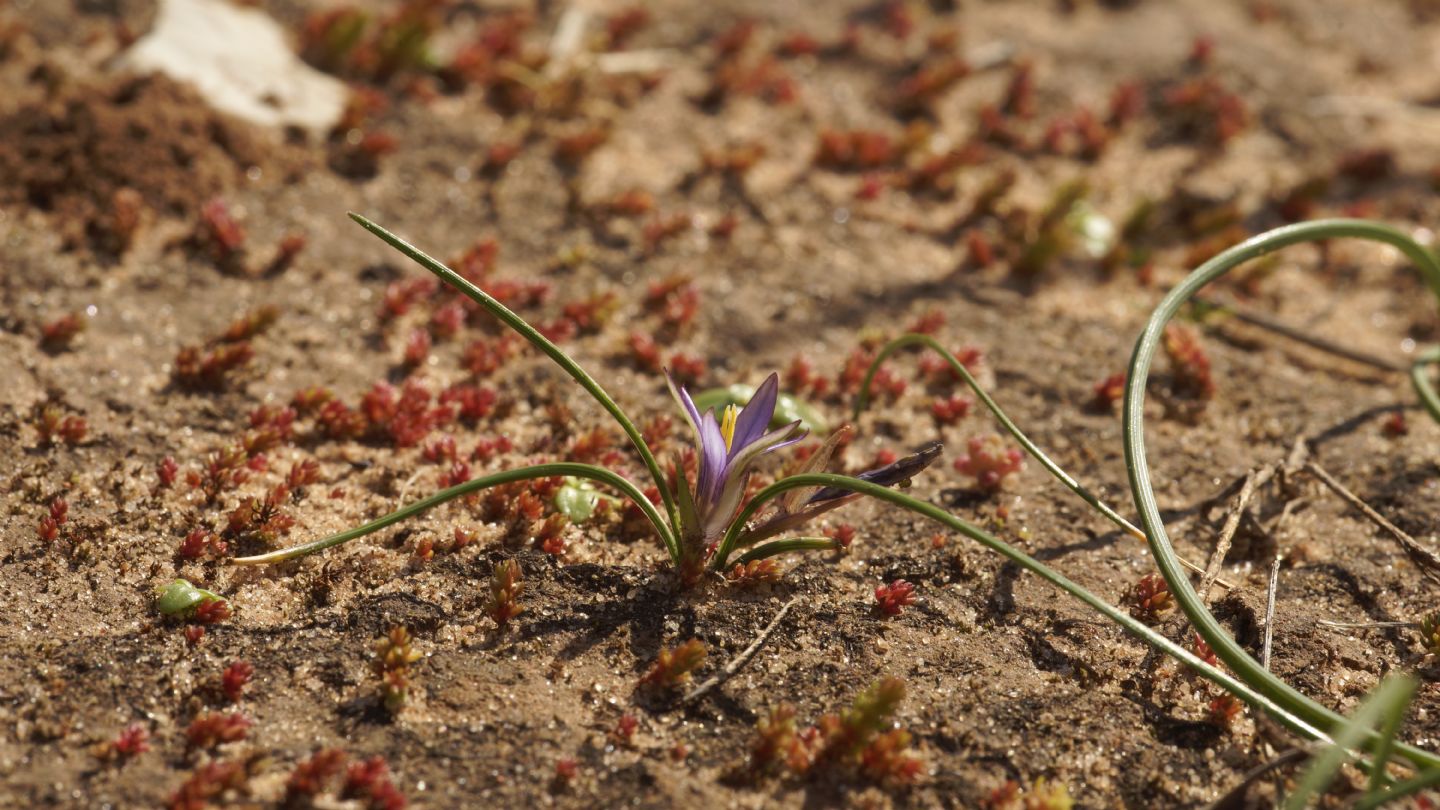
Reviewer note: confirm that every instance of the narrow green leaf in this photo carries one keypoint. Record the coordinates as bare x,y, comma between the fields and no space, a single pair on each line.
1386,704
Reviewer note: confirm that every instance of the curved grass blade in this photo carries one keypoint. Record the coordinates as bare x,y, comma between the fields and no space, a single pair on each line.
555,353
560,468
1232,654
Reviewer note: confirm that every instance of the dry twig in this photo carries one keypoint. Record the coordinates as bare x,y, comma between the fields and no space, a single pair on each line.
739,661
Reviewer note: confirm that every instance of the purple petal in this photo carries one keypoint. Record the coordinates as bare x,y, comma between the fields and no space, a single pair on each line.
686,404
756,416
774,440
712,463
732,488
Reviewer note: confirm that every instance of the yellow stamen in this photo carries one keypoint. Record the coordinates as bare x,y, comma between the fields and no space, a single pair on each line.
727,425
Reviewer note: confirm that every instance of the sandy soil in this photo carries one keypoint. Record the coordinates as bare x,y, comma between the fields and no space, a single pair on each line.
105,181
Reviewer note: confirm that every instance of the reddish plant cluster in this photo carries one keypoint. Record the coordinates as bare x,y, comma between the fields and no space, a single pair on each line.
766,571
1039,796
206,369
406,418
860,739
917,91
1108,392
261,518
950,410
216,728
937,371
506,586
200,542
800,378
590,314
132,741
52,423
220,231
394,653
843,535
624,732
212,611
1203,108
1224,709
367,781
990,462
49,528
1395,426
310,777
223,470
166,471
1150,598
674,665
234,679
208,784
737,74
855,150
572,148
61,332
1189,363
675,299
567,769
891,599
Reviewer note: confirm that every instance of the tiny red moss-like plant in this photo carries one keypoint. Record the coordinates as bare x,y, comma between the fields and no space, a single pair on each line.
49,528
132,741
1188,362
369,781
950,410
777,742
208,370
1107,392
61,332
234,679
765,571
1039,796
893,598
674,666
215,728
209,783
506,586
1150,598
394,653
52,424
859,739
990,462
310,776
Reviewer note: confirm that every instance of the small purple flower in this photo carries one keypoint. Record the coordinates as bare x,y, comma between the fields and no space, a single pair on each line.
727,447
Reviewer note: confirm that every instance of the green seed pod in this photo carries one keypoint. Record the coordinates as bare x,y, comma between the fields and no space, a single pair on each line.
179,597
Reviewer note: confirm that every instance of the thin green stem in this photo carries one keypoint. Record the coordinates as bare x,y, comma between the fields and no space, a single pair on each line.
1427,779
789,544
1136,627
1235,657
1390,719
1420,377
1389,700
598,474
555,353
913,339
